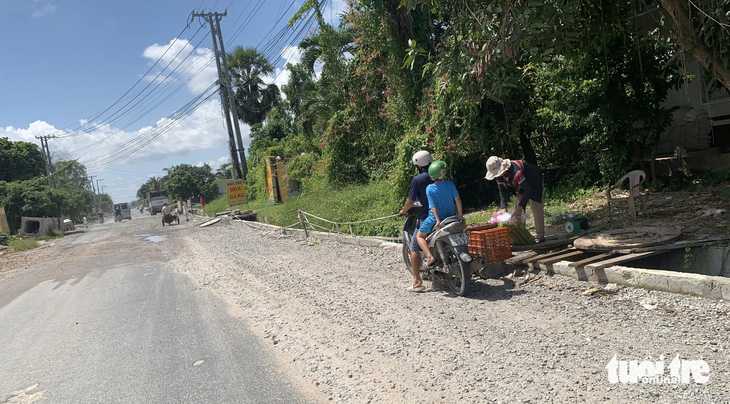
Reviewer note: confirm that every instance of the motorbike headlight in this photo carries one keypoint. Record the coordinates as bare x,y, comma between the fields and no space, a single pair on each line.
465,257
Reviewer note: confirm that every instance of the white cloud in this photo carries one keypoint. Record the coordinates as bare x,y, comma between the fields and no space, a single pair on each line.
37,128
198,65
291,54
42,8
203,129
215,164
333,11
202,133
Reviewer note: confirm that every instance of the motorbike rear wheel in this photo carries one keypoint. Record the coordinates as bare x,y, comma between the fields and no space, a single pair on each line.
406,250
458,277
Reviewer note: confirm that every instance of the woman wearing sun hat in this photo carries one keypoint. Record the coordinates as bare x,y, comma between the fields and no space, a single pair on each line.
524,180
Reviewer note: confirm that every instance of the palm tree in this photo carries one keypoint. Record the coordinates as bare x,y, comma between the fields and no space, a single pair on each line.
254,98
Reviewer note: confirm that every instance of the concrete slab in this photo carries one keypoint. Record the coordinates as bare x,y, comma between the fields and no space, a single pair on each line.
711,287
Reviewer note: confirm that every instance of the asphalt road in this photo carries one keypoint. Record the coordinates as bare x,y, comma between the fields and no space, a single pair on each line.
105,320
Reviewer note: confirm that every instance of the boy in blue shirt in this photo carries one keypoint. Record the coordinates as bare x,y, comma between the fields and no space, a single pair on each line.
443,201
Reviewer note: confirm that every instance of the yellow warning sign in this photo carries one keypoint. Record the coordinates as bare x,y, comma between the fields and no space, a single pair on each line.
236,194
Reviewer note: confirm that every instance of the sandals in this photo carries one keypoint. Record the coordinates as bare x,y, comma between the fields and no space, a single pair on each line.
416,289
429,266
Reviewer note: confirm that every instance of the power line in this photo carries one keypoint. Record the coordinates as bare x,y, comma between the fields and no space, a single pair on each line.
148,136
153,98
111,118
115,155
91,119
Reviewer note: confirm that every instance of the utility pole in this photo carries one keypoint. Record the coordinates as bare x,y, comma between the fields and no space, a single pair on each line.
96,199
232,100
98,188
226,92
47,157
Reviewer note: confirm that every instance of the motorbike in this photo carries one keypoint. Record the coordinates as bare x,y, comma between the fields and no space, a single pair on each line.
170,217
448,244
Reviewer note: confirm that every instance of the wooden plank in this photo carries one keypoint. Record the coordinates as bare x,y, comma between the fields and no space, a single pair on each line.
677,245
208,223
517,260
558,258
628,238
622,258
544,245
596,258
549,244
481,227
544,256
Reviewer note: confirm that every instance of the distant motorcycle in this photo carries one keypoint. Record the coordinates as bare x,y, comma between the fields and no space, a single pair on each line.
449,246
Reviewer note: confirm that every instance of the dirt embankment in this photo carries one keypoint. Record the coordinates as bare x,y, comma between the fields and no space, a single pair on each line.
696,214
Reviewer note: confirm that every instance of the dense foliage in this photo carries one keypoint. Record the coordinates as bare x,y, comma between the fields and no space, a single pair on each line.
23,192
184,181
575,86
20,161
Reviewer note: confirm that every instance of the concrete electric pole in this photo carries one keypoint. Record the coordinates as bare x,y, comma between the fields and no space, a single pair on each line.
96,199
226,92
47,157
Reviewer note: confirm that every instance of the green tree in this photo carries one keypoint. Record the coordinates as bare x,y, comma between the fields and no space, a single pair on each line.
71,174
105,203
20,161
701,29
254,98
152,184
29,198
182,185
224,171
77,203
185,181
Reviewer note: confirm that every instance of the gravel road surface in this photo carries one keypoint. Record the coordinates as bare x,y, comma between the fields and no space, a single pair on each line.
340,314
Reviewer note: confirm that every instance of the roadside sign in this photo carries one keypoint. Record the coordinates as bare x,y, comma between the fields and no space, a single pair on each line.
271,181
236,194
4,221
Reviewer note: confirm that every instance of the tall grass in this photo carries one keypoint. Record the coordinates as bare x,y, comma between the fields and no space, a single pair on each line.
362,202
23,244
350,204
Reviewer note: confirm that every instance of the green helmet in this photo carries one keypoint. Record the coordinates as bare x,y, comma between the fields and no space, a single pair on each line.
437,170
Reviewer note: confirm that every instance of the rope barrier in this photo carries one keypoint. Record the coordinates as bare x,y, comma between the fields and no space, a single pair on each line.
304,222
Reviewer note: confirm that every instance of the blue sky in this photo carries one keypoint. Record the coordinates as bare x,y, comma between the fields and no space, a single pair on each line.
67,65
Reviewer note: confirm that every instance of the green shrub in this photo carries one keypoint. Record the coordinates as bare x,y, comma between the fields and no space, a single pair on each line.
711,178
4,238
23,244
674,182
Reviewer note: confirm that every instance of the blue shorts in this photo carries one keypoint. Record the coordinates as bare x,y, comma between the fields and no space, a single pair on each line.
414,239
427,225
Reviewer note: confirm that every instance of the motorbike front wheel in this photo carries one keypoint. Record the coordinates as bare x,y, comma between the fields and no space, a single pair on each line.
458,277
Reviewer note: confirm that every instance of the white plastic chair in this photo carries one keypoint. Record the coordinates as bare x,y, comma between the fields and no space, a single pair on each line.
635,179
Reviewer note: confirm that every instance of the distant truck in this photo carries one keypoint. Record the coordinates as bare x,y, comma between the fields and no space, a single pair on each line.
157,200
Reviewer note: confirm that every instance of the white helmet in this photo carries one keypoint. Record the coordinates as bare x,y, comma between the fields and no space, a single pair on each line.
422,158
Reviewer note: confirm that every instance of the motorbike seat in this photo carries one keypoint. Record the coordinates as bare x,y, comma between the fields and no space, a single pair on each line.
450,225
